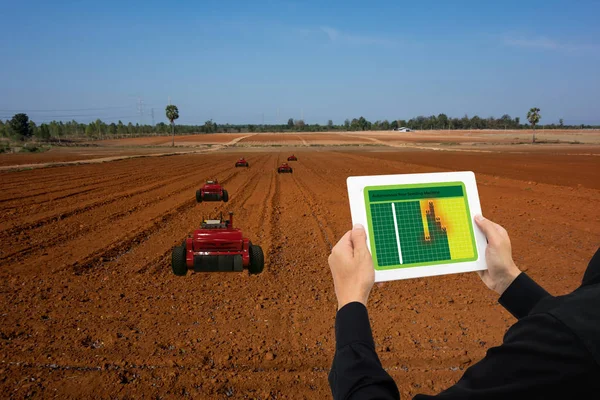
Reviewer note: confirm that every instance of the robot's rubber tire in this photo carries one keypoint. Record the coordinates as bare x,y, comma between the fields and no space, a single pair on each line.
257,260
198,196
225,196
178,263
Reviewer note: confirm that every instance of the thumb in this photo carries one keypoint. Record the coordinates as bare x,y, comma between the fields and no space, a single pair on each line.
487,227
359,239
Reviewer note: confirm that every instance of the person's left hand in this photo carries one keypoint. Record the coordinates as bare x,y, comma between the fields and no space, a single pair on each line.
352,267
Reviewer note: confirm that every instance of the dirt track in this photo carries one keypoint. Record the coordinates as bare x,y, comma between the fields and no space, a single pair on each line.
91,309
587,136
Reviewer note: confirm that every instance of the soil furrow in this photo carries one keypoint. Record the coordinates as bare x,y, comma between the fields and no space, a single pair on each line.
67,212
95,311
123,246
239,197
317,214
46,240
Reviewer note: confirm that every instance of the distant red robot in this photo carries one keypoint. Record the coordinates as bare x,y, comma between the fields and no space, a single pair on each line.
217,247
212,191
292,158
241,163
284,168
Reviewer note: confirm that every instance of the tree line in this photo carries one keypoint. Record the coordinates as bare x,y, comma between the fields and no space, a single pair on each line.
20,127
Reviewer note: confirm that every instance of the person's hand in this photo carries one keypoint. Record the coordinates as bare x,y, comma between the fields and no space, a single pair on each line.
352,267
502,270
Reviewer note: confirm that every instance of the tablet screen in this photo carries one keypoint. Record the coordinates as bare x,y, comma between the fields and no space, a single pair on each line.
418,225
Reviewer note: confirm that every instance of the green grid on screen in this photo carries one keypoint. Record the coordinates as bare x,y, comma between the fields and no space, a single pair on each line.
415,249
386,247
431,226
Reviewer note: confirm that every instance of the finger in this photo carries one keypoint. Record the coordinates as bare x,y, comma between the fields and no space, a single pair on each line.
488,228
359,239
345,243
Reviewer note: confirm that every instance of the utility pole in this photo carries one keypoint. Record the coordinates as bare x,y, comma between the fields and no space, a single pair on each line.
140,108
153,124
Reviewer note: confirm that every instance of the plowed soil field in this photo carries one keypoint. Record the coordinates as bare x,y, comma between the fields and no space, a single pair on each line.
76,154
213,138
290,139
90,308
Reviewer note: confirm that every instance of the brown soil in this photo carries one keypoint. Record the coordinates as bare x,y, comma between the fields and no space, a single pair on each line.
574,141
69,154
555,169
213,138
305,139
91,309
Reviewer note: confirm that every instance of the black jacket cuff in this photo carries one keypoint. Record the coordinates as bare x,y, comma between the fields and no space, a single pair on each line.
352,325
522,295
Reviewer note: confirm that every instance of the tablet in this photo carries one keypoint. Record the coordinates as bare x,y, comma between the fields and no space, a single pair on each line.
419,224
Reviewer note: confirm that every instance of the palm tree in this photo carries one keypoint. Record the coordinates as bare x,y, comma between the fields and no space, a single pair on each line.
533,116
172,114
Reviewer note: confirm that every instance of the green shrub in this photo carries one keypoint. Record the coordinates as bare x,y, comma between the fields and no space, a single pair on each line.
32,148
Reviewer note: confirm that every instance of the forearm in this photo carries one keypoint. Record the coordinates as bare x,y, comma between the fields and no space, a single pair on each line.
539,358
356,371
522,295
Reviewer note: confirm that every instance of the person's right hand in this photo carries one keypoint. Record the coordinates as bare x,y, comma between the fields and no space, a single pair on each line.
502,270
352,269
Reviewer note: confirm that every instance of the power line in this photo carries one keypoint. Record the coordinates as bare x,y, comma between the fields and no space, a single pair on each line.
52,118
67,109
73,116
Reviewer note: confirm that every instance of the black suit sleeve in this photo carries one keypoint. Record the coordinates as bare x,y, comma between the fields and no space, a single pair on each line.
540,358
356,372
522,295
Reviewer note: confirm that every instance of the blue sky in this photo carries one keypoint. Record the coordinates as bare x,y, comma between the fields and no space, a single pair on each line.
245,61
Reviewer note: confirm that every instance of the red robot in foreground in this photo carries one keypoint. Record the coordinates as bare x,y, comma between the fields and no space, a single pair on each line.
217,247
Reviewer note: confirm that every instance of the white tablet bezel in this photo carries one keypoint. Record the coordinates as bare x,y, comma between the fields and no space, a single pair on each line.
356,186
